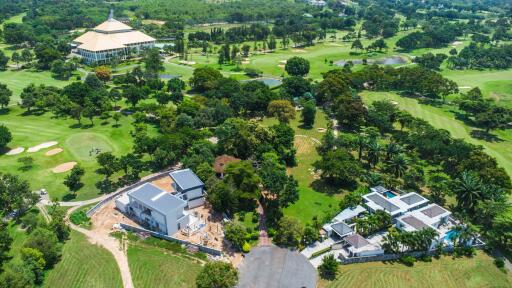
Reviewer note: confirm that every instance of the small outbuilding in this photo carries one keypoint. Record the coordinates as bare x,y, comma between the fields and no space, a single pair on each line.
221,162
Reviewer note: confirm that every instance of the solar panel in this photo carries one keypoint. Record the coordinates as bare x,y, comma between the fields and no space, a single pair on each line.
382,202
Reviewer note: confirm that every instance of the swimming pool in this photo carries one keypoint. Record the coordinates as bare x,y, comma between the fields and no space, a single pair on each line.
450,235
389,194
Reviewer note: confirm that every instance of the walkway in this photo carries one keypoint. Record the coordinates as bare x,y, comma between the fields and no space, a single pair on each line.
264,240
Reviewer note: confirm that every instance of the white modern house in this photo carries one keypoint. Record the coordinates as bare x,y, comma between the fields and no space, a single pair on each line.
392,203
111,39
188,187
155,208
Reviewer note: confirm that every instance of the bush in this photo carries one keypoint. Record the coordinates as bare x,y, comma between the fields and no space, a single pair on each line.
255,218
320,252
329,267
246,247
79,218
426,258
408,260
499,262
271,232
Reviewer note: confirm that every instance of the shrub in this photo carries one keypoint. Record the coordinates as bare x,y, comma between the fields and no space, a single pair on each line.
79,218
255,218
499,262
246,247
408,260
271,232
426,258
329,267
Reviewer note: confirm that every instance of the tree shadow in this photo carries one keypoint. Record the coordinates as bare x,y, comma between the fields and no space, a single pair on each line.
486,136
104,123
33,112
75,126
25,168
323,186
4,111
69,197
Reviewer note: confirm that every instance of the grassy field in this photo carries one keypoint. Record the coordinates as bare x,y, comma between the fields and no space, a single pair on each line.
84,265
152,267
31,130
445,119
479,271
311,203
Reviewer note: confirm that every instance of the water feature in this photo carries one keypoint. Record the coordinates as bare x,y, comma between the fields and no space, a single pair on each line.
270,82
169,76
391,60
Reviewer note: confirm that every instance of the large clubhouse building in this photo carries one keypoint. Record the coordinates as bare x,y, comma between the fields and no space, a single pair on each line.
111,39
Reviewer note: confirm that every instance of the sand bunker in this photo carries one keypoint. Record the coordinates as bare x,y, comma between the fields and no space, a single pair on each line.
456,43
15,151
281,66
299,51
321,130
283,61
464,87
64,167
42,146
53,152
246,62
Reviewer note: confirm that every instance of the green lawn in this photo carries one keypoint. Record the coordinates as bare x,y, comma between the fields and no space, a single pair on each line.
445,119
31,130
153,267
446,272
84,265
311,203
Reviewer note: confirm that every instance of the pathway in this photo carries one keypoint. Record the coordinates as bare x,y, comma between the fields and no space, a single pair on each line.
264,240
111,244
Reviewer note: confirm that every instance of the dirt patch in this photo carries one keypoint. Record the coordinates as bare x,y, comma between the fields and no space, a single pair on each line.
164,183
53,152
281,65
246,62
321,130
64,167
15,151
42,146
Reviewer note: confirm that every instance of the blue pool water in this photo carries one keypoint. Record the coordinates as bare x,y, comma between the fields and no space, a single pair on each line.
389,194
450,235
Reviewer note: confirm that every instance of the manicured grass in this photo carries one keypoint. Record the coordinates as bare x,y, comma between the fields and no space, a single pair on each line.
444,118
478,271
153,267
84,265
31,130
16,80
311,203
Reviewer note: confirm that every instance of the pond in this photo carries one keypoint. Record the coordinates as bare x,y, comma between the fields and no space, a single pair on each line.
392,60
169,76
270,82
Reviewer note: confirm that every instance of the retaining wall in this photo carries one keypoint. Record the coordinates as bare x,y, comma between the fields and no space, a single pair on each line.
201,248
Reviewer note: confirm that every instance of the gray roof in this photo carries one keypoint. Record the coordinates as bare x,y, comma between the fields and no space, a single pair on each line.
156,198
412,199
382,202
414,222
274,267
356,241
341,228
433,211
186,179
379,189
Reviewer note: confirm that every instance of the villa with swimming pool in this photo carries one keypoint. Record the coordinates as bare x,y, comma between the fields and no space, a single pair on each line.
408,211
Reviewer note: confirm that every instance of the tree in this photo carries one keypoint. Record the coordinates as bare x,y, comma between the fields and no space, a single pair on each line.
338,166
283,110
398,165
235,233
308,114
5,242
16,58
47,243
430,61
243,179
175,85
438,184
289,232
329,267
15,195
357,44
58,224
468,190
62,70
297,66
5,96
217,274
204,78
5,136
3,61
103,73
34,259
162,97
153,63
17,275
26,55
72,181
133,94
116,117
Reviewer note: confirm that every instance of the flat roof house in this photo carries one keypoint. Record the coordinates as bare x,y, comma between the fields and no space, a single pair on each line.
393,204
160,210
358,246
111,39
188,187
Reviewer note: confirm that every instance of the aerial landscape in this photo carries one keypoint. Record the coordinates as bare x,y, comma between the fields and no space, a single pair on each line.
255,144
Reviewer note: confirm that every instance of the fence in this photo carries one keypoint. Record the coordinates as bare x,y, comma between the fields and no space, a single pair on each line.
201,248
120,191
389,257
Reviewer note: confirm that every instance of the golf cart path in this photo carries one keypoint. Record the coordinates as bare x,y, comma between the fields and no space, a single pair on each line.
109,243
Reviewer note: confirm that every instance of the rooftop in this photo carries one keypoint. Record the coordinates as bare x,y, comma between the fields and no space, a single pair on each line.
342,229
433,211
414,222
222,161
356,241
186,179
156,198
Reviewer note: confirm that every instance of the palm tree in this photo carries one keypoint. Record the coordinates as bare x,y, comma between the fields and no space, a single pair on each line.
468,189
361,142
393,149
373,153
398,165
